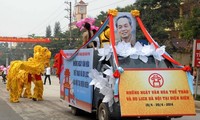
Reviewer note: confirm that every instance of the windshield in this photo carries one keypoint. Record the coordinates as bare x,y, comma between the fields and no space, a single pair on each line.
137,63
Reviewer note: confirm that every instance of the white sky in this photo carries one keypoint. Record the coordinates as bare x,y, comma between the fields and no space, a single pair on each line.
20,18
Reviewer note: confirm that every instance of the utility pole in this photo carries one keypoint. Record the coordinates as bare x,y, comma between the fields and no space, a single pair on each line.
69,17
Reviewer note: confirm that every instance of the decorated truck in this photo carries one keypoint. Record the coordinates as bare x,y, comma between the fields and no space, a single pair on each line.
125,79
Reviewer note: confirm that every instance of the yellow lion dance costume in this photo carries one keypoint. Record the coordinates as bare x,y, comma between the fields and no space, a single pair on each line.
19,74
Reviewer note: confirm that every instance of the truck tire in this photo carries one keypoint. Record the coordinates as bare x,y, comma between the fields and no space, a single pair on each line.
103,112
75,111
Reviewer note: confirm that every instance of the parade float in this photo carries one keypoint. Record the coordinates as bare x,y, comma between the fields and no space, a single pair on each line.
125,81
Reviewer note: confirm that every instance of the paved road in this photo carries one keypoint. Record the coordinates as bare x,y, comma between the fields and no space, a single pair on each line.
52,108
7,113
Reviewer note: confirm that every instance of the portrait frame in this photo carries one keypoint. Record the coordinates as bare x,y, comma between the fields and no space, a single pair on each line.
133,25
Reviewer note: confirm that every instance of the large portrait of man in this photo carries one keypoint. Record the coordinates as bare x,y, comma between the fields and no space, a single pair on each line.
125,28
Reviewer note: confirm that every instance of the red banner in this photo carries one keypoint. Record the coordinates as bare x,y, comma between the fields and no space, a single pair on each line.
20,39
112,37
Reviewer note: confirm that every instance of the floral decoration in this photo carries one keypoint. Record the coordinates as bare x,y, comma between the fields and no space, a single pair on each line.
116,74
105,52
137,52
104,84
113,12
187,68
135,13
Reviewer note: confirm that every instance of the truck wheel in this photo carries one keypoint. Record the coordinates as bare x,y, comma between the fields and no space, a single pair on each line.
167,119
75,111
103,112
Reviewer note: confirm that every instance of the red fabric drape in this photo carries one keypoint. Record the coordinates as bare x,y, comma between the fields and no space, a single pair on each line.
58,63
112,37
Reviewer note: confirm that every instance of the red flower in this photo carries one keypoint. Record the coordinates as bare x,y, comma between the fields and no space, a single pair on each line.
116,74
187,68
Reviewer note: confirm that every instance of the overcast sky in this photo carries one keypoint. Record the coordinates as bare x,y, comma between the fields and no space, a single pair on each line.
20,18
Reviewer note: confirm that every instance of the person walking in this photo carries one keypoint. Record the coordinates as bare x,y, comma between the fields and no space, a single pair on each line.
4,74
47,75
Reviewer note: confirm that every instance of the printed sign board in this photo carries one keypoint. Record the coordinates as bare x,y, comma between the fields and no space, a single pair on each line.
74,79
155,93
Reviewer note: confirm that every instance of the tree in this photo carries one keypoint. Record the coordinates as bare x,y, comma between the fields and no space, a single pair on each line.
57,30
3,52
158,15
48,31
31,36
191,26
100,18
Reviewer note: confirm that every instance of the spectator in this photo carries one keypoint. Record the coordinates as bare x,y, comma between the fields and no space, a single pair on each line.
47,75
194,74
87,35
4,74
